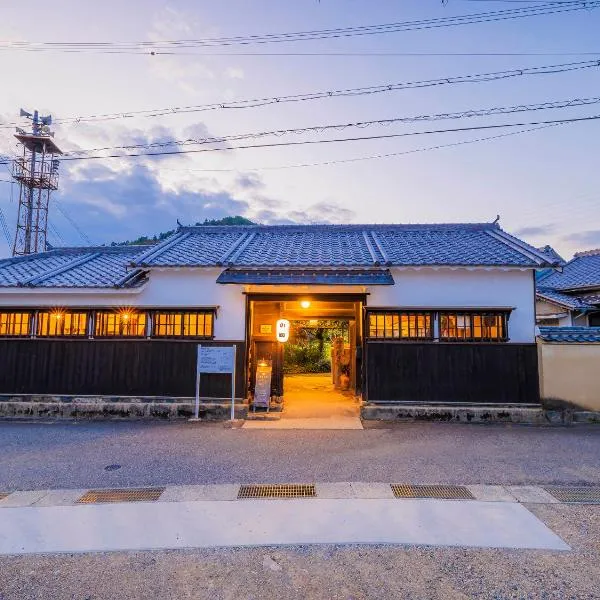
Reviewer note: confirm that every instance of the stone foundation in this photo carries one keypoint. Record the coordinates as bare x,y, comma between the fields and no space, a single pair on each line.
471,414
115,407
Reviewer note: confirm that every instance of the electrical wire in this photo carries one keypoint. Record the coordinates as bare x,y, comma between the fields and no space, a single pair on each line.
78,229
501,110
331,141
5,228
348,92
341,32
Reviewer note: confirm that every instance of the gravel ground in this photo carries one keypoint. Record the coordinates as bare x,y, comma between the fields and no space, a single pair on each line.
324,572
74,454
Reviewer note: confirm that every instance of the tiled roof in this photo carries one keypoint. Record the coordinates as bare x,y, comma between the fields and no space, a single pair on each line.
571,302
100,267
273,247
572,335
552,254
307,276
471,244
583,272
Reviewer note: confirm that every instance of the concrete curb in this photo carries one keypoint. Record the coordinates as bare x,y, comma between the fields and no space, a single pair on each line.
524,494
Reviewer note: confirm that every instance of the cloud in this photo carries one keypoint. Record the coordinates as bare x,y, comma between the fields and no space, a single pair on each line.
536,230
585,238
322,212
234,73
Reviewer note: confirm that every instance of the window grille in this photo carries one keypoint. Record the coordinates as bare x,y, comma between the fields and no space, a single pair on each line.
15,324
471,326
197,324
120,324
400,325
64,324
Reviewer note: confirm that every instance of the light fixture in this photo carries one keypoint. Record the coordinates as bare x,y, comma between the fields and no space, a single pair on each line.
305,303
125,316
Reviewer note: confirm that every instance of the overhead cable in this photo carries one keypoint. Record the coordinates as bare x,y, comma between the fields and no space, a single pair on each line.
298,36
330,141
501,110
348,92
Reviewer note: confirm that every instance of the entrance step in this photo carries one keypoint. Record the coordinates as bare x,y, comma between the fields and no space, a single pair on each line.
263,416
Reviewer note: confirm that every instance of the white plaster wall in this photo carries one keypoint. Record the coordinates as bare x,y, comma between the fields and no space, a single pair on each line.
464,288
172,288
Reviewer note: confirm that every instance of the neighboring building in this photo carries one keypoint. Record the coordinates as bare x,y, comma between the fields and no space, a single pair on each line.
435,313
570,296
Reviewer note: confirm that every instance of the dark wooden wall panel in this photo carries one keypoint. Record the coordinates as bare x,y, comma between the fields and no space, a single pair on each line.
111,368
435,373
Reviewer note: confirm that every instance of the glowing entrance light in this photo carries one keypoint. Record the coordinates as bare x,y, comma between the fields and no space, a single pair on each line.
305,303
283,330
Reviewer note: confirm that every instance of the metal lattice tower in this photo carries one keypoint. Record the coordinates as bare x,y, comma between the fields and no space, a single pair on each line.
36,172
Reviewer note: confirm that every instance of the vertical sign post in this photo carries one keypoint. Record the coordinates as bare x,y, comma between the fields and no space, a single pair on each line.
213,359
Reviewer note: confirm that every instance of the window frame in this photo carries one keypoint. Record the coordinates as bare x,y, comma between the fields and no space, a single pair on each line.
103,334
31,316
399,314
205,312
471,326
39,318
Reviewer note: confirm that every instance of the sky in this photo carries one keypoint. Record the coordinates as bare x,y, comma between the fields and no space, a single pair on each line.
543,183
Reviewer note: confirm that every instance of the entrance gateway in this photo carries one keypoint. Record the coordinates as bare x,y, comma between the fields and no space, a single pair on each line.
317,371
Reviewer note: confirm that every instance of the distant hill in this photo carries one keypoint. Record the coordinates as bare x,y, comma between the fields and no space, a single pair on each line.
145,240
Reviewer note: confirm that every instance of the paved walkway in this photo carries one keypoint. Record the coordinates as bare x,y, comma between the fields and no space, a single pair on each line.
212,516
311,402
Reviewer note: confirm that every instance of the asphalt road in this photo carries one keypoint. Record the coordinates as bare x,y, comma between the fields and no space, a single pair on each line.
324,572
74,454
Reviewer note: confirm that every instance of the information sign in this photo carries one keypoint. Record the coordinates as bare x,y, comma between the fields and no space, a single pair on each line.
262,387
212,359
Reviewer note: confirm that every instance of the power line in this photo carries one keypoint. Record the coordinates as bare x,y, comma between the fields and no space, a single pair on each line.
341,32
5,228
66,215
332,141
555,104
370,157
348,92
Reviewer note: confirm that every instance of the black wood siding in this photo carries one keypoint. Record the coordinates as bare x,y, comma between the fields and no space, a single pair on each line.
438,372
111,368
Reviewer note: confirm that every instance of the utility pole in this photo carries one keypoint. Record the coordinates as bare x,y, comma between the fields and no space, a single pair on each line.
36,172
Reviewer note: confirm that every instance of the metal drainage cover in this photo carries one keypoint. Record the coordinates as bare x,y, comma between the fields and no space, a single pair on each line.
575,494
446,492
284,490
120,495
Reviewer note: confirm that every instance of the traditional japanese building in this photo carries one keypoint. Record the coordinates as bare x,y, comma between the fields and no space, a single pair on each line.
434,313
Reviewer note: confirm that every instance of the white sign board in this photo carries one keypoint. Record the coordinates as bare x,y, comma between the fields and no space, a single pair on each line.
212,359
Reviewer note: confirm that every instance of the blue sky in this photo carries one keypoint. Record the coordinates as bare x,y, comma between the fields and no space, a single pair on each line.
543,184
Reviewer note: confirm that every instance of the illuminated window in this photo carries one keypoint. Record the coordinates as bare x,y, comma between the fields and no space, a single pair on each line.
59,323
461,326
400,325
15,324
183,324
122,323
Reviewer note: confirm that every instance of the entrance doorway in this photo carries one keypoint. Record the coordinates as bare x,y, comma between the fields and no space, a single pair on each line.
317,365
317,372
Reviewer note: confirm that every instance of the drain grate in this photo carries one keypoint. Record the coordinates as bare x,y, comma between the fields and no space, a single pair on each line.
575,494
283,490
446,492
120,495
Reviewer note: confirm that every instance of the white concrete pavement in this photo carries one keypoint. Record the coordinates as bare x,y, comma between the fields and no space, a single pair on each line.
218,523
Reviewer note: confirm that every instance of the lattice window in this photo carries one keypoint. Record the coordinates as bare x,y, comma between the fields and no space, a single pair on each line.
122,323
16,324
400,325
196,324
471,326
62,323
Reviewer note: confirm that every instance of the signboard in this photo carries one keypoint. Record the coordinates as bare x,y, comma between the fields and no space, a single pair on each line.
266,329
262,388
283,330
215,360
